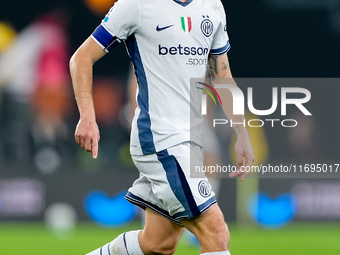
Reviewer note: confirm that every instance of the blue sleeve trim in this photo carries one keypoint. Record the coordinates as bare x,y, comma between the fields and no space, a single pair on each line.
221,50
105,39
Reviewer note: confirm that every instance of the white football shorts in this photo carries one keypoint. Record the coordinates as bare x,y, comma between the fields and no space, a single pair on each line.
165,185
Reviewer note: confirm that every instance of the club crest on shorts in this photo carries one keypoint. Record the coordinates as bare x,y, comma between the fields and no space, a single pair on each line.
207,26
204,188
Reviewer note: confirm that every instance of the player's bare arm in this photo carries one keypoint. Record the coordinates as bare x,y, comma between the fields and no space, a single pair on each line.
219,68
87,132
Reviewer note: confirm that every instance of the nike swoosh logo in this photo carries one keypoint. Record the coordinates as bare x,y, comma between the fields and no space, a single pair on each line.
162,28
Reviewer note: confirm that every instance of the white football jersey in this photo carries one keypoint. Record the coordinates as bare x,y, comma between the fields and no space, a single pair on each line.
168,42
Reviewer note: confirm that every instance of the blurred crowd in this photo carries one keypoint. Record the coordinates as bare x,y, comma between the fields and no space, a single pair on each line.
38,112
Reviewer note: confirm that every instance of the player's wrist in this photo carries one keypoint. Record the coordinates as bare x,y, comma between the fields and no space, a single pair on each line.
87,116
241,131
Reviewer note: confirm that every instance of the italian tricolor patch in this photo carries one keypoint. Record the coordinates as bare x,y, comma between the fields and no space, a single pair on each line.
186,24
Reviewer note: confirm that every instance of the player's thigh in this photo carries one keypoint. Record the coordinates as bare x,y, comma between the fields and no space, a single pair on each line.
160,235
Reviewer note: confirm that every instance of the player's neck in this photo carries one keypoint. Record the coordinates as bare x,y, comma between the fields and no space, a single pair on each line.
183,1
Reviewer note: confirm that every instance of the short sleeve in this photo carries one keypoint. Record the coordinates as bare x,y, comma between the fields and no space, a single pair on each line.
220,44
121,21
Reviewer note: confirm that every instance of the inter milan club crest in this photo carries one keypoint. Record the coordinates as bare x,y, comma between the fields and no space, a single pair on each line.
186,24
207,26
204,188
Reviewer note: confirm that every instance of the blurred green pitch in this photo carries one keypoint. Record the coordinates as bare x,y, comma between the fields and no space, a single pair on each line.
295,239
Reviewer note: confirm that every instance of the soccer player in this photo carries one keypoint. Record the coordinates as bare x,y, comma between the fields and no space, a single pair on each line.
169,42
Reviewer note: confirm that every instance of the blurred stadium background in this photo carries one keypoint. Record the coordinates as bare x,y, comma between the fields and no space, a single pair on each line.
56,200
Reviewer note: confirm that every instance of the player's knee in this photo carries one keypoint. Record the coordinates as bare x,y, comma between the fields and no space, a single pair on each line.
213,230
219,234
220,231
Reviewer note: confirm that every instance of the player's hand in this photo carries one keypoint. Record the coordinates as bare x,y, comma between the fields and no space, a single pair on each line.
243,149
87,135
